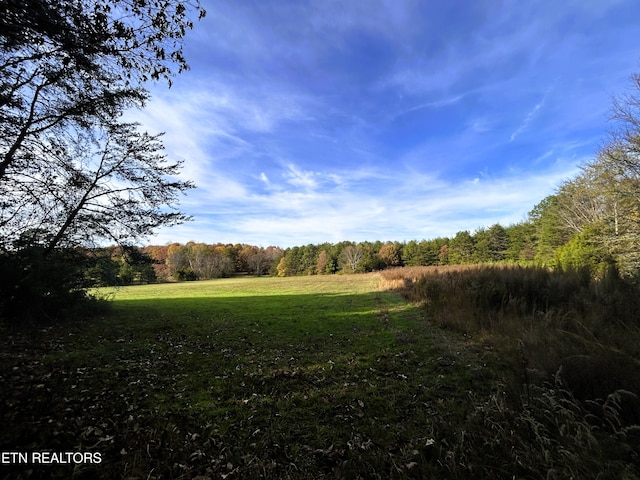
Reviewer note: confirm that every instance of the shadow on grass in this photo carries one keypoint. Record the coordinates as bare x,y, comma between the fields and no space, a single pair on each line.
305,386
277,386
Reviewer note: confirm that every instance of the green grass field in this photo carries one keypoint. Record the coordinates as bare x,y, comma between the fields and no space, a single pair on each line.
238,378
303,377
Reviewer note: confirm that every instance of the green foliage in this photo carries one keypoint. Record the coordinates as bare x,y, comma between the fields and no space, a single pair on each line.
521,243
461,249
550,233
425,252
490,245
302,260
125,274
124,265
104,270
583,251
185,275
38,286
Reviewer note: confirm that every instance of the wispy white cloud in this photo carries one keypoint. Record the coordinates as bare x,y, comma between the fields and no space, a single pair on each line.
300,178
309,121
527,120
405,205
445,102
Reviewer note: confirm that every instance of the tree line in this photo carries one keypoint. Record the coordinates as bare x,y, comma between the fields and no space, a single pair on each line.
545,238
117,265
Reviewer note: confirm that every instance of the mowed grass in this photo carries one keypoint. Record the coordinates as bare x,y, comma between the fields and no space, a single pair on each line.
304,377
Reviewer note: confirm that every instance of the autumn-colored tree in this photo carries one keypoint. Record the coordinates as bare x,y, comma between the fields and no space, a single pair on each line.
322,263
159,255
283,268
443,255
390,255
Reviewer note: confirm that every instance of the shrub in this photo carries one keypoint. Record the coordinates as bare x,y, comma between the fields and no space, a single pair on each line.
37,286
185,275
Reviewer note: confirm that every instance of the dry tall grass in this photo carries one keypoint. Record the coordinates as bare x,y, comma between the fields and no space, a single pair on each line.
573,343
551,315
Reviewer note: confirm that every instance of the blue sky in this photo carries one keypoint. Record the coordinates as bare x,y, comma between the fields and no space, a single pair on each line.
311,121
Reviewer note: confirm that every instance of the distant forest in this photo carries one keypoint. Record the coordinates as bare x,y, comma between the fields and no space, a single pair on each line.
584,225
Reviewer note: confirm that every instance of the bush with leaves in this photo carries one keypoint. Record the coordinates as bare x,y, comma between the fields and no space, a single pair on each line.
38,286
